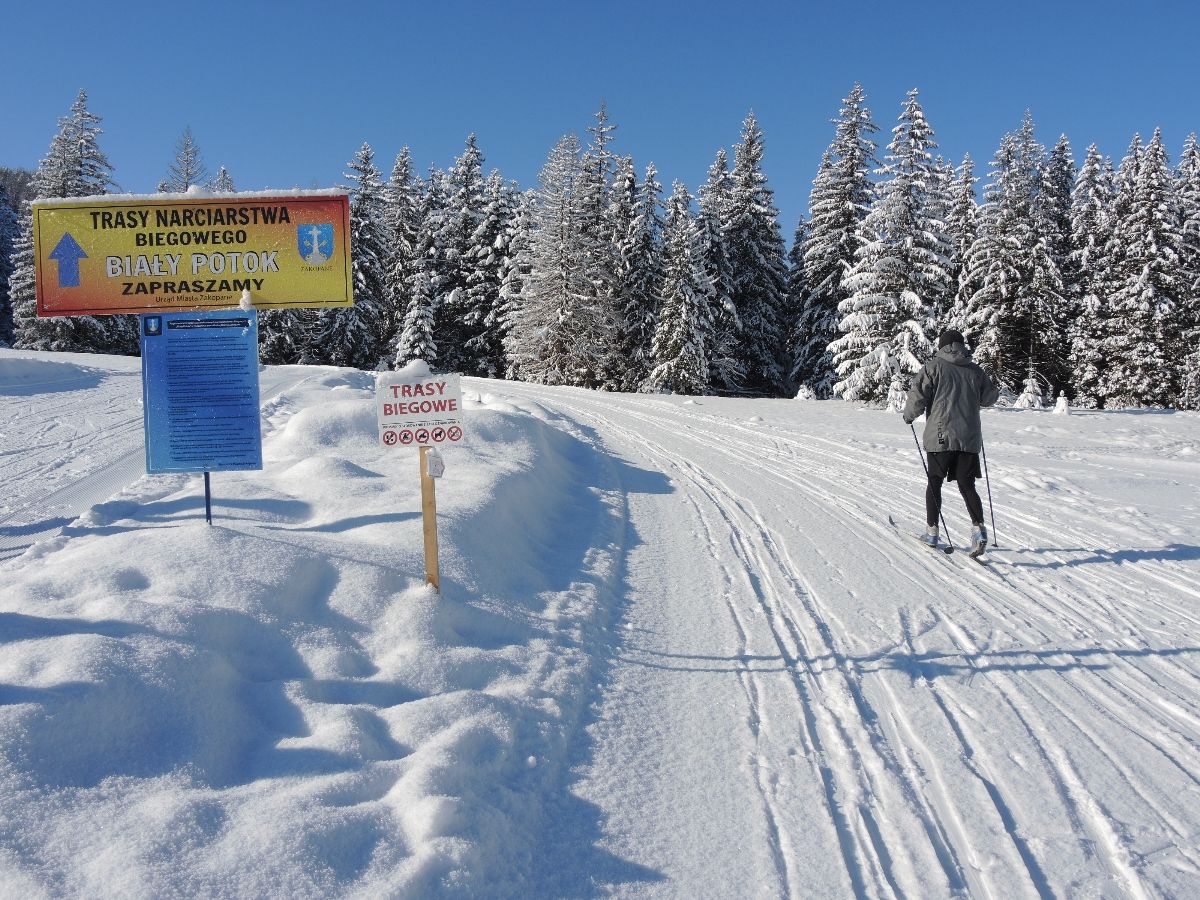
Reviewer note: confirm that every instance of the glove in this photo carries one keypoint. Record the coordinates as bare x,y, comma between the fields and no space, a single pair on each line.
907,420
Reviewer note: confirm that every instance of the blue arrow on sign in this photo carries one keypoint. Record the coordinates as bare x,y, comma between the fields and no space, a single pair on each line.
68,253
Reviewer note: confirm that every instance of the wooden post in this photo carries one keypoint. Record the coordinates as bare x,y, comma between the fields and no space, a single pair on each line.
429,521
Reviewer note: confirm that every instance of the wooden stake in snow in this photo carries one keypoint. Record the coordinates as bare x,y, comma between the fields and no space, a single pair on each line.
433,574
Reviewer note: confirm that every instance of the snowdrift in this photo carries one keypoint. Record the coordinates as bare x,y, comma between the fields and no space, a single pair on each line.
277,704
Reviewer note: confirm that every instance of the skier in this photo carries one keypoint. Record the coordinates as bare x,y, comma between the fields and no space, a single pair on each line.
950,389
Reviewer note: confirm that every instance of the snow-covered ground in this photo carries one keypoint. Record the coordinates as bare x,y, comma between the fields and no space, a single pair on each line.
679,652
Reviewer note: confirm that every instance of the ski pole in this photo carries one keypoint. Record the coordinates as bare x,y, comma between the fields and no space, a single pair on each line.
925,466
988,481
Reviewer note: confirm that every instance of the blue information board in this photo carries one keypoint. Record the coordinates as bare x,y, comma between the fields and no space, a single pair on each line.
200,391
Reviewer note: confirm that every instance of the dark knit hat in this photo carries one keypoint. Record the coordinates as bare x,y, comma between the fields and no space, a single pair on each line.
950,336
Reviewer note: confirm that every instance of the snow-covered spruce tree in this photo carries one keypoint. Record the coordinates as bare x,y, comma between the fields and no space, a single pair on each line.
514,269
1146,349
598,168
684,330
17,184
1031,396
940,190
962,227
9,235
636,271
1054,228
640,266
725,369
1187,193
418,338
187,169
814,329
534,310
897,395
401,199
1124,180
599,242
1121,183
1091,227
842,194
285,336
794,308
74,166
484,315
757,259
901,274
1124,185
89,171
352,336
1054,209
1188,202
938,204
463,215
1011,315
1190,391
622,213
223,182
560,334
25,328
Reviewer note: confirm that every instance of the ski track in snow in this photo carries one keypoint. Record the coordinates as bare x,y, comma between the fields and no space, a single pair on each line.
1091,683
868,860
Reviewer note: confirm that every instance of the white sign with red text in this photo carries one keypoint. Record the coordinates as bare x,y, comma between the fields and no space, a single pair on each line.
418,410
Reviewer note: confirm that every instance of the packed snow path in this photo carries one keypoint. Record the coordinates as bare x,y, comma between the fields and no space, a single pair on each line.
801,702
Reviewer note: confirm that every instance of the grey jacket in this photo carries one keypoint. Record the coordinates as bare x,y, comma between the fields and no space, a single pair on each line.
950,389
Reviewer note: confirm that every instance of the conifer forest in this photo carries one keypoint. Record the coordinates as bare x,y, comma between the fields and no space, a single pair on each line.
1066,274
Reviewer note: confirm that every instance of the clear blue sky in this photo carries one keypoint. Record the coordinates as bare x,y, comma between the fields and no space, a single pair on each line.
283,94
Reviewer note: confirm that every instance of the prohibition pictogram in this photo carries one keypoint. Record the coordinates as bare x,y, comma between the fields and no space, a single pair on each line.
422,435
389,437
454,433
438,435
406,436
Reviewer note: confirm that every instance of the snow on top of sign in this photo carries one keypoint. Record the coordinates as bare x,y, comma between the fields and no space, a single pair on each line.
193,193
417,368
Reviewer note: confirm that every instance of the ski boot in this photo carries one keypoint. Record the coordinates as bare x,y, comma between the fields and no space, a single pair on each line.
979,539
930,536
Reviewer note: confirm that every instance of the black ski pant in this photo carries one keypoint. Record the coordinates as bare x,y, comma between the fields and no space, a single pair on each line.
958,466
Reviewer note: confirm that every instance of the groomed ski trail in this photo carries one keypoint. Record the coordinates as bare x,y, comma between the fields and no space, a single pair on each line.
924,729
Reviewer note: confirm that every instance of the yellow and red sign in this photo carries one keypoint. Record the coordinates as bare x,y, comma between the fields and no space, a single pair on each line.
97,256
